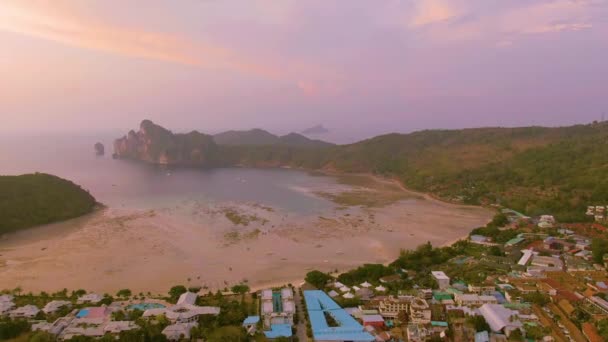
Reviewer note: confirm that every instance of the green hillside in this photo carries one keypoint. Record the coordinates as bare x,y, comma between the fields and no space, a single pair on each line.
35,199
533,169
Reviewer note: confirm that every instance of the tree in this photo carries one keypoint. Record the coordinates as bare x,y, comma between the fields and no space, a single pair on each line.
599,247
479,323
177,291
516,335
240,288
124,293
317,279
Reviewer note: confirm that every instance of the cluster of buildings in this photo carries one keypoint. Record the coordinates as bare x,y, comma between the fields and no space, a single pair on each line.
598,212
96,321
277,310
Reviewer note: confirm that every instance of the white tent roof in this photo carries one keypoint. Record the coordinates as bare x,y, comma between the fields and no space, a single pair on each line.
348,295
366,284
380,288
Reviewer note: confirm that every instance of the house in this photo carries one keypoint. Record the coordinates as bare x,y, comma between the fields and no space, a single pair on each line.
92,298
333,293
348,295
479,239
380,288
416,333
366,284
54,328
365,293
420,311
500,319
251,323
28,311
474,299
442,280
6,298
178,331
116,327
390,307
481,289
55,305
187,298
375,321
6,307
591,333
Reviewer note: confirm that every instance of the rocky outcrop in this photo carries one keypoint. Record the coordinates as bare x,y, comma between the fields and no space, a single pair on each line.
157,145
100,150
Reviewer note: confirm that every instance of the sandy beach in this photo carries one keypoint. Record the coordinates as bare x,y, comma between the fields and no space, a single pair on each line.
199,244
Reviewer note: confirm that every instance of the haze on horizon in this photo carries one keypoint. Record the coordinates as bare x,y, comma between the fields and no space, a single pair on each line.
358,67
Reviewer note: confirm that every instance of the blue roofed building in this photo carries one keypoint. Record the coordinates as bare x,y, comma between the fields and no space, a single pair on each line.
343,328
251,323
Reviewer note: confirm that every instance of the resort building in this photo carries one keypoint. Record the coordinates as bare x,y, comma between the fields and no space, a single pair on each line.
178,331
375,321
92,298
28,311
329,322
55,305
185,311
442,280
251,324
6,298
481,289
6,307
277,307
116,327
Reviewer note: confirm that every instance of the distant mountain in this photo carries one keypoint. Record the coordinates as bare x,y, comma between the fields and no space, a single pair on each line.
252,137
295,139
315,130
36,199
157,145
260,137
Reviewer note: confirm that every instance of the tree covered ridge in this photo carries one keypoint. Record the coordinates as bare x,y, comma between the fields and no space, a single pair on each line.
531,169
35,199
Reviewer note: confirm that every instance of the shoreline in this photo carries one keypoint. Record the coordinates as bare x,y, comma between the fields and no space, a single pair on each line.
152,250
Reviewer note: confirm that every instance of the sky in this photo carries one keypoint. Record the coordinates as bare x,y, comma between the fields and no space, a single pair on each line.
359,67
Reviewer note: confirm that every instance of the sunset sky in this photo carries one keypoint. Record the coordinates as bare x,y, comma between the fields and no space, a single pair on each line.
359,67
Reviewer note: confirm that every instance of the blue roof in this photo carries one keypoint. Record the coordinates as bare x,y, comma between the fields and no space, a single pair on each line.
278,330
318,303
251,320
439,324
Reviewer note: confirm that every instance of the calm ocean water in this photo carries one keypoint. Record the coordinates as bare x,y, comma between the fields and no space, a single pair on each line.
127,184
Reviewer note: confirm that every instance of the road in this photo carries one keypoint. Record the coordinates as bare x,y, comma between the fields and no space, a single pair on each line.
301,315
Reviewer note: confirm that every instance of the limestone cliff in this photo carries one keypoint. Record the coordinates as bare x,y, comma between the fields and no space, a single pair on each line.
157,145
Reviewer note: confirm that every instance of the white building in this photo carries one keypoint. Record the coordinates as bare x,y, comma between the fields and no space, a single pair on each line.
442,280
55,305
187,298
93,298
6,298
6,307
178,331
474,299
420,312
500,319
116,327
277,308
28,311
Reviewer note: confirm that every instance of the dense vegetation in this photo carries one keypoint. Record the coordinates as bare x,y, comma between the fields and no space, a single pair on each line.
35,199
535,170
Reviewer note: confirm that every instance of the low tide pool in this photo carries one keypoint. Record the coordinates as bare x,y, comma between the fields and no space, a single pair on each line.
145,306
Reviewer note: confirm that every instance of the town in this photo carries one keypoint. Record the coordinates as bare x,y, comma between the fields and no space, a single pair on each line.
516,279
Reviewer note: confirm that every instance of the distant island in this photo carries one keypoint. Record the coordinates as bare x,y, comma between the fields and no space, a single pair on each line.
100,150
531,169
36,199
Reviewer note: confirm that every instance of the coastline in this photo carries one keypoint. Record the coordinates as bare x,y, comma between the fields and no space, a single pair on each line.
152,250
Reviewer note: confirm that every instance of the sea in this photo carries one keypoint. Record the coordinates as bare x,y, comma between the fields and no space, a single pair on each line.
135,185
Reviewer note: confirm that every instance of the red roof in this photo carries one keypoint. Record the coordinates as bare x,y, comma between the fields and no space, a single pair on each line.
591,333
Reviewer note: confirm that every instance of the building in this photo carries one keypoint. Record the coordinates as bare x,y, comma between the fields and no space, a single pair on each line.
116,327
390,307
591,333
375,321
442,280
525,258
278,330
251,324
28,311
185,311
416,333
187,298
6,298
319,305
6,307
419,311
179,331
500,319
547,263
472,299
277,307
482,289
92,298
55,305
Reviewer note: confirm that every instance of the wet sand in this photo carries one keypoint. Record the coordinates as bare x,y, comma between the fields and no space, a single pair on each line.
195,244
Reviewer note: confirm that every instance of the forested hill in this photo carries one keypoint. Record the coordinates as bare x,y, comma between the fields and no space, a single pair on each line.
533,169
36,199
